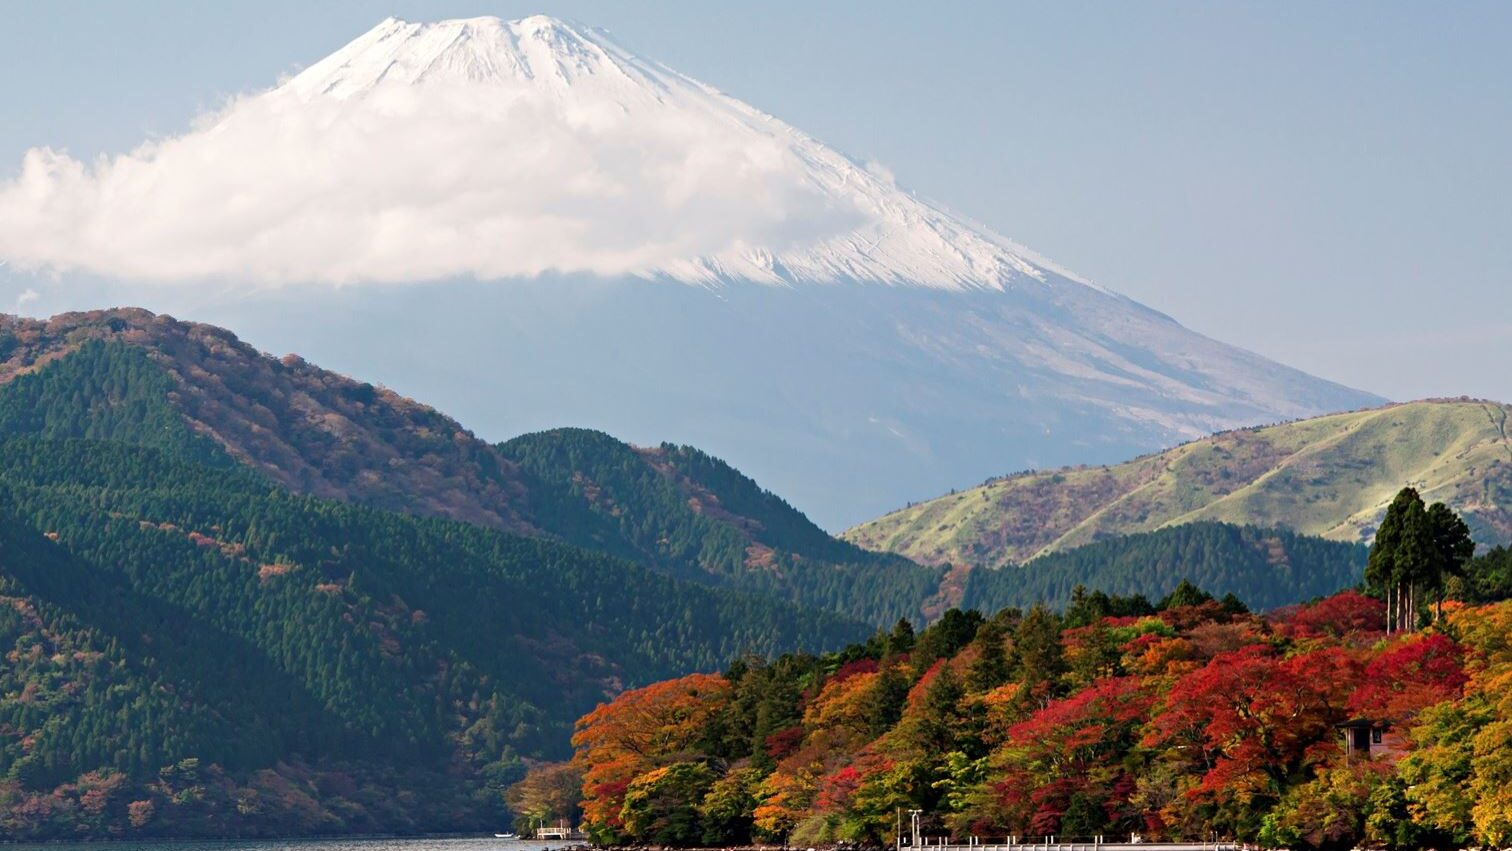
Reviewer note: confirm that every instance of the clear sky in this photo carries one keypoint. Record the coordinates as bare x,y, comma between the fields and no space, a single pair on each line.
1327,184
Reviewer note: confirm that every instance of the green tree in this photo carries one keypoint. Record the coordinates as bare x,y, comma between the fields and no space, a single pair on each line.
727,809
1038,661
901,639
1452,549
1417,550
1400,558
661,806
1185,594
990,667
1084,818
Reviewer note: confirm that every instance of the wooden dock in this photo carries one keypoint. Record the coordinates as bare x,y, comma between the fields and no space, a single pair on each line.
560,832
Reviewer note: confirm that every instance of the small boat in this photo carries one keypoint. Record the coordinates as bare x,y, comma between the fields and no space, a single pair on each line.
506,836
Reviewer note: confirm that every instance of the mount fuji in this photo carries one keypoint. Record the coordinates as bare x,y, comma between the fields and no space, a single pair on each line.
528,226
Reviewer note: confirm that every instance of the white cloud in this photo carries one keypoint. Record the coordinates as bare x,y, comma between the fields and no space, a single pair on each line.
417,182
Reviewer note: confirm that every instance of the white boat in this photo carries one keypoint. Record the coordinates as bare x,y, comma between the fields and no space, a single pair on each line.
506,836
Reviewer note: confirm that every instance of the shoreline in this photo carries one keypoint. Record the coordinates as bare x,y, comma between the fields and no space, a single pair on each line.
309,838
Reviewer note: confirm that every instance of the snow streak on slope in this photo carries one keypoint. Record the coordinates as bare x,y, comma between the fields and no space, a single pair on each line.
489,149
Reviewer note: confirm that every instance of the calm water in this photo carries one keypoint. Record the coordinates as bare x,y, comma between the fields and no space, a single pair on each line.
310,845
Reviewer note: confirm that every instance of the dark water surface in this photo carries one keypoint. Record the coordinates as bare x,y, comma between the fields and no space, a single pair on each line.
488,844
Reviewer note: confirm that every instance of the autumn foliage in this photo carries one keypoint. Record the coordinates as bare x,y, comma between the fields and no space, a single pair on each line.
1194,720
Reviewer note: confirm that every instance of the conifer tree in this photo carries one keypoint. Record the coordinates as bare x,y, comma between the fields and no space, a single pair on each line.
1415,552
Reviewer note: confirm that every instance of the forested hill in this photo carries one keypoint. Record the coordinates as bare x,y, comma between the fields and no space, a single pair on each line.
309,429
1266,568
202,395
314,657
698,518
1330,476
199,395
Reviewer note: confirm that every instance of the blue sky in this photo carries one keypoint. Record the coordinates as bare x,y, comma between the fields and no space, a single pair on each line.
1326,184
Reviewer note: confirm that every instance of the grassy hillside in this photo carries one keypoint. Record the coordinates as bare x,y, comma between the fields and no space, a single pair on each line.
1328,476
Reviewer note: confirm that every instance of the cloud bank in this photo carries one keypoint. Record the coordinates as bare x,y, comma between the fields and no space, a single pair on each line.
417,182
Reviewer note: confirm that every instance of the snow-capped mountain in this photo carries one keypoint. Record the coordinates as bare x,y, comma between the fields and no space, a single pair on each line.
589,238
860,226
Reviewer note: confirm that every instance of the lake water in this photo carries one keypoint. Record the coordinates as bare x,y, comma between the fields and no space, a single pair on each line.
309,845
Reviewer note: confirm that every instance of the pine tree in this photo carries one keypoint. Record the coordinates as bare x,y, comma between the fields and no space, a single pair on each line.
1416,551
1038,661
990,668
1452,549
901,639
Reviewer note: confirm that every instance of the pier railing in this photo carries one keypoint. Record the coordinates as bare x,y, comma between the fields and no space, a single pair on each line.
1054,843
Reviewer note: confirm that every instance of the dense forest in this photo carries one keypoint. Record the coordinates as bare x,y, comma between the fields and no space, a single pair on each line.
696,517
1267,568
1181,720
136,582
200,394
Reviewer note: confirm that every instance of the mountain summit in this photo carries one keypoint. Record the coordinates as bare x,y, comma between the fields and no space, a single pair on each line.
485,49
807,213
577,236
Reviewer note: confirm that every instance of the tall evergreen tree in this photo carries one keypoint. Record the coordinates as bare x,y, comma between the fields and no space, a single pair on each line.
990,668
1416,550
1452,548
1038,660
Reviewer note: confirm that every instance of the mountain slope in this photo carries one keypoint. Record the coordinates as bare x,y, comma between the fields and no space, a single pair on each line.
700,519
1329,476
306,428
611,244
203,396
389,643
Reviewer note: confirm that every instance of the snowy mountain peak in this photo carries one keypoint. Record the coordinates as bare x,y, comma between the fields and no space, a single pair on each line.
493,149
711,190
468,50
920,352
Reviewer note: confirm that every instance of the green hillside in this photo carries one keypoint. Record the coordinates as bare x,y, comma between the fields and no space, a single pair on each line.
198,650
387,641
1329,476
1266,568
683,511
196,391
311,430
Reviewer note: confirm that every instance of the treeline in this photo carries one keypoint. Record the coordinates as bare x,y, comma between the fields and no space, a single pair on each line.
1176,719
1265,567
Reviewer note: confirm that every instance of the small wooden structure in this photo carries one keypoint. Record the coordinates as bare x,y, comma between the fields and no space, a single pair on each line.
559,831
1369,738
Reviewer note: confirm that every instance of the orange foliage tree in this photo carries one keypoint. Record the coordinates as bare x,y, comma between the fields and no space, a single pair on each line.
636,733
